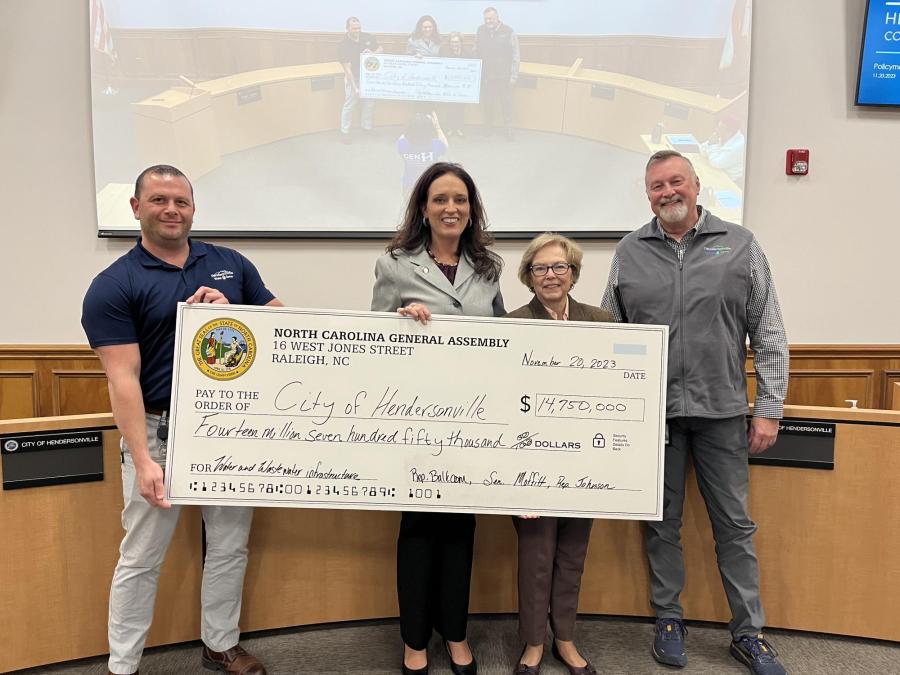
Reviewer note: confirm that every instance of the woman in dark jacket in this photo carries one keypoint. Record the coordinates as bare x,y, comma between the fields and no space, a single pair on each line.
552,550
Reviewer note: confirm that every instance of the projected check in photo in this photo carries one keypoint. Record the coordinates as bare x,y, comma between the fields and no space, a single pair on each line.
315,119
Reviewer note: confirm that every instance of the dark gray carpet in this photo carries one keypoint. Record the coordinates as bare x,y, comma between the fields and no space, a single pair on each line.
613,645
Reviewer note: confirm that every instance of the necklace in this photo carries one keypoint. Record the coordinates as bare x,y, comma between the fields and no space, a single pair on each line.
432,256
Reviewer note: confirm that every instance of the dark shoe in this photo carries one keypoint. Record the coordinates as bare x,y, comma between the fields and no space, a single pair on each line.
757,654
573,670
522,669
471,668
234,660
668,645
417,671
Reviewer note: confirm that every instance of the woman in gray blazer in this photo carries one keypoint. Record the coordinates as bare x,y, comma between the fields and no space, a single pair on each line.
438,262
425,40
552,550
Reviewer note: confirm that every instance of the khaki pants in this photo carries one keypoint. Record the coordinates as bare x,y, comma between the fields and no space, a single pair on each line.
148,531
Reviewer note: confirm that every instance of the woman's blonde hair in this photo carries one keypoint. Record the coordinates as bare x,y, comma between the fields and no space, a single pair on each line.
573,253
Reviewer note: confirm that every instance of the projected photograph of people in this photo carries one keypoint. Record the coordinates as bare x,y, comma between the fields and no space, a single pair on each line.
315,119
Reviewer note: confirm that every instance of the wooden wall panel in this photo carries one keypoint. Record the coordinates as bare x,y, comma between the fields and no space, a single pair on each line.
830,388
65,380
80,392
827,375
892,389
895,395
18,394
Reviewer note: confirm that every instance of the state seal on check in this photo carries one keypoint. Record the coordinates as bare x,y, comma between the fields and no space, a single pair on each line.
224,349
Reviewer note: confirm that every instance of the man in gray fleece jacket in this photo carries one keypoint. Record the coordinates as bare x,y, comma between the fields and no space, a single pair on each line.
709,281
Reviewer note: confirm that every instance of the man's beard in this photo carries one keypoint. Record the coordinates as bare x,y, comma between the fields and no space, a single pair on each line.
673,211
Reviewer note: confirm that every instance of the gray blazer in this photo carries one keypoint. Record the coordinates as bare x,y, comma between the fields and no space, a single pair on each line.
415,277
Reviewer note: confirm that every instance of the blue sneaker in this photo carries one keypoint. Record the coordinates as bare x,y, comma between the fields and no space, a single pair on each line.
668,644
757,654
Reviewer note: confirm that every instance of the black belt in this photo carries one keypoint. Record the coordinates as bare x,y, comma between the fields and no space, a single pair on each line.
155,411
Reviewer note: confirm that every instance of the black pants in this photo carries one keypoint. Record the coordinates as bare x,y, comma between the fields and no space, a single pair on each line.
496,96
434,572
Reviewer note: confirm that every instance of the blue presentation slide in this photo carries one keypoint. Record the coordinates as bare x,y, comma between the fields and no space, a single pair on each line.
879,62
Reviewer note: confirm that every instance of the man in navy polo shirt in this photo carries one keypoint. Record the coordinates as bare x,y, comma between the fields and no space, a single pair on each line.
129,318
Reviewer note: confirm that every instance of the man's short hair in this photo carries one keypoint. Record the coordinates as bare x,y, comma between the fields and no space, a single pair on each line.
351,19
158,170
663,155
491,9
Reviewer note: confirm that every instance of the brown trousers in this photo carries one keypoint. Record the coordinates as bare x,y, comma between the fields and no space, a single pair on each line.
551,560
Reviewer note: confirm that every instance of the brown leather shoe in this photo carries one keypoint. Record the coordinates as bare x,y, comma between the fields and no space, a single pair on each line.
235,661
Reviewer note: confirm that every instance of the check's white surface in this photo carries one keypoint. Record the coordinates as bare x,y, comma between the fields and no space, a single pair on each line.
368,410
411,78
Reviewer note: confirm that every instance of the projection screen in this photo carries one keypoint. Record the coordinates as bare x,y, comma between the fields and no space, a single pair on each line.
554,108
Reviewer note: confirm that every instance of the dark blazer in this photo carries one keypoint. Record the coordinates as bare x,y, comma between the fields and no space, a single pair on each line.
577,311
415,277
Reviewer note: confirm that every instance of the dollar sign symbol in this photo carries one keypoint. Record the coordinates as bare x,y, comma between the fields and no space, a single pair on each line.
526,406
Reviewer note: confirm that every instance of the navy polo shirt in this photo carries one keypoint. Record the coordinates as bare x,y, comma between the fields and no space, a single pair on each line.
134,301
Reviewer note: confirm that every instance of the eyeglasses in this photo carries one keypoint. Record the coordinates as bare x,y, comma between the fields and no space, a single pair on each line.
558,269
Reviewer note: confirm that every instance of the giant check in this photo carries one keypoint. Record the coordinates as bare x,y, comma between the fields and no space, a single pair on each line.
365,410
413,78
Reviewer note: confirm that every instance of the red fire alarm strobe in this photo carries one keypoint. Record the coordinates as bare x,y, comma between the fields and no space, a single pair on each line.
797,162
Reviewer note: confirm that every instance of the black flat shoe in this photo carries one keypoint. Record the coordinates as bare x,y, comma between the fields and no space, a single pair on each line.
522,669
587,669
471,668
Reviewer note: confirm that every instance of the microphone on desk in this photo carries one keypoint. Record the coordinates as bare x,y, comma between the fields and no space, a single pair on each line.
190,83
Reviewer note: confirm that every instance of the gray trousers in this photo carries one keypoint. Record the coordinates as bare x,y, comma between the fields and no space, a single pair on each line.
718,448
551,561
148,531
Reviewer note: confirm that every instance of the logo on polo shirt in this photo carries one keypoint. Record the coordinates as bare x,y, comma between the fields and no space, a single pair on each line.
224,349
222,275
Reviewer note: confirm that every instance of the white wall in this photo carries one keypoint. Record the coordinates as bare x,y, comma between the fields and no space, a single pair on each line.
832,237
